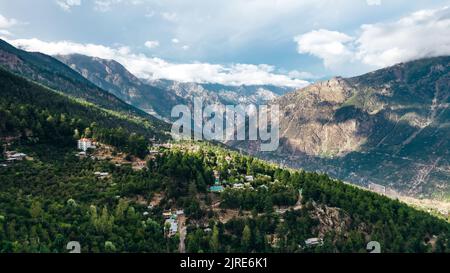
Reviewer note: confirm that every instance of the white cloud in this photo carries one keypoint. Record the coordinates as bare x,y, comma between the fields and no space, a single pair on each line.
7,23
373,2
169,16
152,44
150,14
301,75
331,46
156,68
106,5
67,5
175,41
425,33
5,32
185,47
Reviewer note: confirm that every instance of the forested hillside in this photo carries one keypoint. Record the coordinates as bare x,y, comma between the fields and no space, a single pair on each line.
50,72
222,201
37,114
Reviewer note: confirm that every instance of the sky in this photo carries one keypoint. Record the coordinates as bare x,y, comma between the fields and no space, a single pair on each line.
280,42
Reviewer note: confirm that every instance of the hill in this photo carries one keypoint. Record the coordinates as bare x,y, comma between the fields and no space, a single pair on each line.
50,72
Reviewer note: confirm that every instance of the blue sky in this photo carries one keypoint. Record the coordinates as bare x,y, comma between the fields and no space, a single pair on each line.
284,42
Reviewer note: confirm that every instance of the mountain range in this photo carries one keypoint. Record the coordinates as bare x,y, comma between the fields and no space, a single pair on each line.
121,196
388,127
158,97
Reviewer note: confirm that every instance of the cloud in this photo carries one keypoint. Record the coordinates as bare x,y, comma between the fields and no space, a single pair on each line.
67,5
175,41
185,47
5,32
302,75
7,23
152,44
106,5
169,16
373,2
150,14
331,46
156,68
425,33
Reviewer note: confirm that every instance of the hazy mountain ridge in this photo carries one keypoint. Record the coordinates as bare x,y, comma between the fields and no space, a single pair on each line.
225,94
159,96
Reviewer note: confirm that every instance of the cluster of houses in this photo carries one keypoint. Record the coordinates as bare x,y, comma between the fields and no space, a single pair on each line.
219,186
171,221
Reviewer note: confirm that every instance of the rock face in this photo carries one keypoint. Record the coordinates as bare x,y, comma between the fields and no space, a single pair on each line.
113,77
309,125
391,127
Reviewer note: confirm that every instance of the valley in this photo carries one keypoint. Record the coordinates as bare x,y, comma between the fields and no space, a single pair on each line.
109,176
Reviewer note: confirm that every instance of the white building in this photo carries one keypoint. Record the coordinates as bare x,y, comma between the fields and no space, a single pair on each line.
85,144
14,156
314,241
180,212
249,178
173,228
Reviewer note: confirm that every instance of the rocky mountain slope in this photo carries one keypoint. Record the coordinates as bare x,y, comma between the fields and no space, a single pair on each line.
390,127
113,77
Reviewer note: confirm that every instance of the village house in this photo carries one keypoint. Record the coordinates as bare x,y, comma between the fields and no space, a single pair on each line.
14,156
180,212
85,143
314,242
249,178
81,154
173,227
216,188
167,214
101,175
